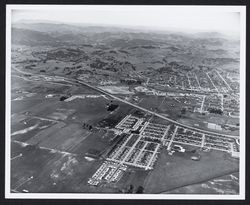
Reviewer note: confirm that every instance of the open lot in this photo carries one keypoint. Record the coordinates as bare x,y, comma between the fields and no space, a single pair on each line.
214,186
98,141
151,102
179,170
52,171
29,127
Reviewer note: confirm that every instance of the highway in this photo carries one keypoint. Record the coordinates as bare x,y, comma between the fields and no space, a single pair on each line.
154,113
71,80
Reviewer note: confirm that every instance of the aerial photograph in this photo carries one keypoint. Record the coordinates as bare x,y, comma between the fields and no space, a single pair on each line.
125,100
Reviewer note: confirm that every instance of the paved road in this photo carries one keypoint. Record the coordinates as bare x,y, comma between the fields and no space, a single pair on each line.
172,138
224,80
154,113
136,106
212,82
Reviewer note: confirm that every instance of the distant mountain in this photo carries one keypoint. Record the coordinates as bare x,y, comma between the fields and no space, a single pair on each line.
49,28
208,35
54,28
30,37
33,37
132,43
82,32
74,38
121,51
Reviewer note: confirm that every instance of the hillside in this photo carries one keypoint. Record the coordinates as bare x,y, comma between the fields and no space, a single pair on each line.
124,50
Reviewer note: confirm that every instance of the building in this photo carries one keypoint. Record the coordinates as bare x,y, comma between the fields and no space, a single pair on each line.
213,126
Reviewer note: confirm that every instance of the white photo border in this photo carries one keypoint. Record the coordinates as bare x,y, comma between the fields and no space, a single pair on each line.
9,195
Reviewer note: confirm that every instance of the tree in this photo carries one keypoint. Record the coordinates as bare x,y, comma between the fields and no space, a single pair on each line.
139,190
215,110
90,127
183,111
63,98
130,189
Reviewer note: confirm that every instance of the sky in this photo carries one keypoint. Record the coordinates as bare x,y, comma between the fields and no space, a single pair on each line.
161,17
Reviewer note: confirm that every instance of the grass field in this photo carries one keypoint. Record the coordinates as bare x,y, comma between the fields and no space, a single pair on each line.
228,184
28,127
167,106
96,141
65,138
43,88
151,102
89,110
52,171
179,170
202,120
25,105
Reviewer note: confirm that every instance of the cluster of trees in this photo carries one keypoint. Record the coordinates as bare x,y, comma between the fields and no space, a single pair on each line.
182,112
215,110
87,45
131,81
63,98
123,51
164,69
136,131
98,52
87,126
67,54
112,51
27,75
149,139
150,47
112,107
131,189
29,66
98,64
138,113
